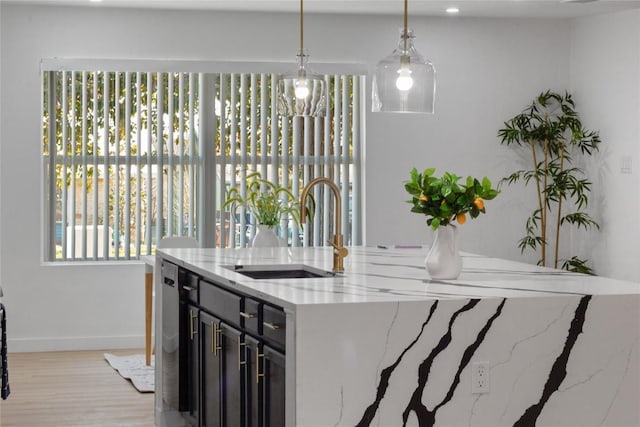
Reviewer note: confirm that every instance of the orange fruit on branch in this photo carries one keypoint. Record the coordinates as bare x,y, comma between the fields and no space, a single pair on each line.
478,203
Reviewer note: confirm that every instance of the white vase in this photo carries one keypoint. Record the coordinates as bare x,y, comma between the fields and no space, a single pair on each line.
443,260
265,237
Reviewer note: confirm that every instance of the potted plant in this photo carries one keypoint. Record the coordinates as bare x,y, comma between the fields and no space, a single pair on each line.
268,203
443,200
550,135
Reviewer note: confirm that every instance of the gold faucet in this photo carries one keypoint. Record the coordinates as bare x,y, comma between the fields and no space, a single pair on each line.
339,251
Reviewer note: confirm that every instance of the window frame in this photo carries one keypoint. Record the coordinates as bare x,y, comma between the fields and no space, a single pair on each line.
209,161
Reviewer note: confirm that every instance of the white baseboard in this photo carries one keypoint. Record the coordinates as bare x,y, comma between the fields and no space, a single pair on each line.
28,345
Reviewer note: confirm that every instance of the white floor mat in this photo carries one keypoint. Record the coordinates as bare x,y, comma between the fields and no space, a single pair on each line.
134,369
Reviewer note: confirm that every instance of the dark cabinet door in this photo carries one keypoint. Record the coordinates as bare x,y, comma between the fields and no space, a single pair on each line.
253,380
231,374
192,368
233,378
211,390
223,374
274,387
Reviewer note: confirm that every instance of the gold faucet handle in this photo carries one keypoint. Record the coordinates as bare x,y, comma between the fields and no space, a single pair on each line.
338,249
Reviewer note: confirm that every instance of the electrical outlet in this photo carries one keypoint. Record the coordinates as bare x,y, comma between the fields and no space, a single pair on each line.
480,378
626,164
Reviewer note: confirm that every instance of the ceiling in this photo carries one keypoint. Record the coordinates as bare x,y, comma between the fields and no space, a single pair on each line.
469,8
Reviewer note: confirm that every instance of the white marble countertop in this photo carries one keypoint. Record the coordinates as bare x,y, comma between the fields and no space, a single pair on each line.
560,348
388,275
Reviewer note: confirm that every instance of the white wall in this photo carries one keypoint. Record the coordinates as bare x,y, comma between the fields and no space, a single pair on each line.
605,75
488,70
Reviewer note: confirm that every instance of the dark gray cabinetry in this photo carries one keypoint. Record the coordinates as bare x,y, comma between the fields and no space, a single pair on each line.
274,399
233,378
191,402
230,367
253,391
265,393
211,372
222,373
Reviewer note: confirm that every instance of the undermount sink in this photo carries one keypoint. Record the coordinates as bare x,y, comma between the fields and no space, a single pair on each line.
289,271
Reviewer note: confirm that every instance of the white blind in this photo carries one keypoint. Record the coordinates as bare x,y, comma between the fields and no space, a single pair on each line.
291,152
131,157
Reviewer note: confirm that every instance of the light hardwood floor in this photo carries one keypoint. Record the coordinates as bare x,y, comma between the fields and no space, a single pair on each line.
75,388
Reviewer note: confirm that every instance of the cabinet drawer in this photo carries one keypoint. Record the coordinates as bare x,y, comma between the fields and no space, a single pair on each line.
252,316
274,324
220,302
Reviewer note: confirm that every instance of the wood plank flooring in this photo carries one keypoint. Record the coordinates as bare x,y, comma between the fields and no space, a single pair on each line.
72,389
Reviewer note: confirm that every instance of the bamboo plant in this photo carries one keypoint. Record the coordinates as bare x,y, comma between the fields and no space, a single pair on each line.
551,131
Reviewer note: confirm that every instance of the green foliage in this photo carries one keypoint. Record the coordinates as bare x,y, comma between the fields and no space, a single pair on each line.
578,265
267,202
443,199
551,129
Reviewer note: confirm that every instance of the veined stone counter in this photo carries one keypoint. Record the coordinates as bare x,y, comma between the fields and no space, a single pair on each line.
384,345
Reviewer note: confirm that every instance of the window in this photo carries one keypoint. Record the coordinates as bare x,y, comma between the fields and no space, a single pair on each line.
130,157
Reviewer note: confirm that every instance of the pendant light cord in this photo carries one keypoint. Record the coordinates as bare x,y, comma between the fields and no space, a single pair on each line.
302,30
405,36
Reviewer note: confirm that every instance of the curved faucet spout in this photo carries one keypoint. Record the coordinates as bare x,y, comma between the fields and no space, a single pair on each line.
339,251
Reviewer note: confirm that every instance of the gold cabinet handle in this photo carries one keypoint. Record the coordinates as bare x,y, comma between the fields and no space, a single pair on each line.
216,343
258,374
247,315
188,288
213,338
192,328
272,326
240,361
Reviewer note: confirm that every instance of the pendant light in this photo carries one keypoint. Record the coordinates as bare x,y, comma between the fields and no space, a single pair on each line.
404,82
301,93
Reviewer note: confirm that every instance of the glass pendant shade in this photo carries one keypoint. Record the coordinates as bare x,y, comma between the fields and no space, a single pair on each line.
404,82
301,93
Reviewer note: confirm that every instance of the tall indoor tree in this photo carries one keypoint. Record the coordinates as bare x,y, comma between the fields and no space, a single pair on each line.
551,131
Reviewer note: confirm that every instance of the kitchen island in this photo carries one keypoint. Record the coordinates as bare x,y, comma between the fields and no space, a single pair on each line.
506,344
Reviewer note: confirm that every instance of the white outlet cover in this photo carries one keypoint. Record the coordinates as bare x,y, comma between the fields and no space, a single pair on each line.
480,377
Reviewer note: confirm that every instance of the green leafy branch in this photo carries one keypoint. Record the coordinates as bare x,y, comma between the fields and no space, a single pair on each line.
266,201
443,199
551,128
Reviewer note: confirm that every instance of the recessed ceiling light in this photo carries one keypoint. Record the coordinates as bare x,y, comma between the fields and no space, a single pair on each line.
453,9
95,1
